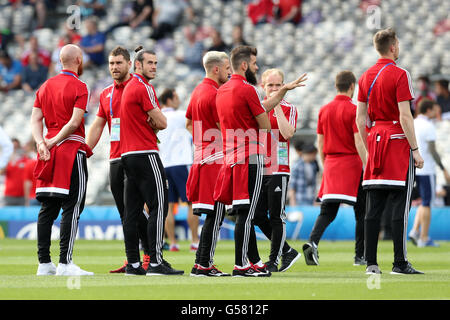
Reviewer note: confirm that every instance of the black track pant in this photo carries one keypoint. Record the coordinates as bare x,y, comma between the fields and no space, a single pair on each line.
273,200
396,203
246,249
146,183
117,179
71,206
328,212
209,236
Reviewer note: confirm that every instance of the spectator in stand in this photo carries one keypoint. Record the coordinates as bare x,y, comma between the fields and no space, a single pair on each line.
34,74
260,11
93,43
70,36
193,51
7,148
44,57
29,179
238,37
168,16
14,173
92,8
302,184
10,73
41,8
288,11
20,15
443,97
55,65
423,83
217,42
139,14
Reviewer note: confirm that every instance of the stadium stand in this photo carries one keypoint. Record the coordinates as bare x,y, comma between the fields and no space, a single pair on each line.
332,36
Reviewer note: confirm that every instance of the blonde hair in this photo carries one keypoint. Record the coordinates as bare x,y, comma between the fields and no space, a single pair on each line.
268,72
213,58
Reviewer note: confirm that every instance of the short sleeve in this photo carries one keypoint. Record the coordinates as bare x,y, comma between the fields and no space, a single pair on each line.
82,98
404,90
291,115
254,101
101,111
362,95
37,100
189,111
319,123
353,121
149,101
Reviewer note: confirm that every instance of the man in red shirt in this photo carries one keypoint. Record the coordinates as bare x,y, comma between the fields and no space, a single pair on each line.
342,154
386,126
61,170
109,112
203,122
146,183
14,176
283,122
242,115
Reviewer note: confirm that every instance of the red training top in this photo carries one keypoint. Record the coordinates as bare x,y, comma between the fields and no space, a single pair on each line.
136,135
110,106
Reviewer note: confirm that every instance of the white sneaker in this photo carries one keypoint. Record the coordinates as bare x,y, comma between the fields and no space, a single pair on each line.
71,269
46,269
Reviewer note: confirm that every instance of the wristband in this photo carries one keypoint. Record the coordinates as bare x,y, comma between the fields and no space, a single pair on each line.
416,148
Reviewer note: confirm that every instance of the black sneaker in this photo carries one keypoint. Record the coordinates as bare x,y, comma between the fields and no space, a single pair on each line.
407,269
163,269
130,271
210,272
194,271
311,254
288,259
271,266
359,261
250,272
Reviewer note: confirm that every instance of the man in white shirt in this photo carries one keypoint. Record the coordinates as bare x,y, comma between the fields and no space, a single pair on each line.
426,176
175,150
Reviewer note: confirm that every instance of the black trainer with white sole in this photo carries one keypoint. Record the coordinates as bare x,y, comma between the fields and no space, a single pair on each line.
288,259
163,269
311,254
407,269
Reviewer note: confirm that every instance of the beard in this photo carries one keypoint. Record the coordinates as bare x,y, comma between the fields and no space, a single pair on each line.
251,77
80,69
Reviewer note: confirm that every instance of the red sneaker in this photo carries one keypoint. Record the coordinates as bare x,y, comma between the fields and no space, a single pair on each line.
146,261
121,269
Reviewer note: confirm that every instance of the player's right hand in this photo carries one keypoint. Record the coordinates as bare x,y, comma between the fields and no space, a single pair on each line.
418,160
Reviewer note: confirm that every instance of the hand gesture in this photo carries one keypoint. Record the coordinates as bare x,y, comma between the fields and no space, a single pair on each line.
418,160
296,83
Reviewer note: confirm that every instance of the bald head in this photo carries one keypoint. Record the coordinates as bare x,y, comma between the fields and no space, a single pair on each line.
71,56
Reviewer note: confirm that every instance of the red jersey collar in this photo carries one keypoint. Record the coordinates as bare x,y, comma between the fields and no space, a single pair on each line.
238,77
123,84
140,77
342,97
68,71
211,82
385,61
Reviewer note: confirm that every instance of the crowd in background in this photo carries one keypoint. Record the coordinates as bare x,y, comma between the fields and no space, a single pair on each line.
31,64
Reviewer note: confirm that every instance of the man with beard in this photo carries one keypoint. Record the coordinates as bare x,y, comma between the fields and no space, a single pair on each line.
386,126
203,122
242,115
61,170
109,112
146,181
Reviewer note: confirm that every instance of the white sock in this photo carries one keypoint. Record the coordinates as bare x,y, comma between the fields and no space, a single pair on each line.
135,265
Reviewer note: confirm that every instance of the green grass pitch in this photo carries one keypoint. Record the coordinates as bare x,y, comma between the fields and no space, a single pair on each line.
335,278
